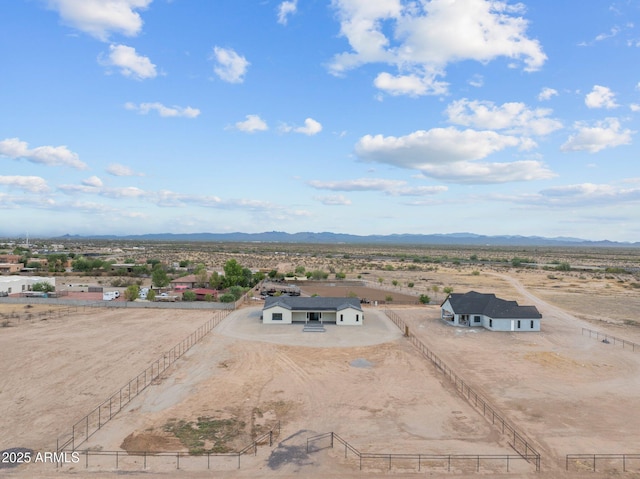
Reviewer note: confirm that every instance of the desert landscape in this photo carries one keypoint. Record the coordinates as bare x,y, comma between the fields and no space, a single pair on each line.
565,391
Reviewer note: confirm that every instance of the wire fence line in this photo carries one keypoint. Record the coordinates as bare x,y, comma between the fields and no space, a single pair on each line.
84,428
603,462
518,442
42,315
418,462
608,339
136,460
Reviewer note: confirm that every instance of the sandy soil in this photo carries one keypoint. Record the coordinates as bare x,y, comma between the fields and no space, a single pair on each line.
568,393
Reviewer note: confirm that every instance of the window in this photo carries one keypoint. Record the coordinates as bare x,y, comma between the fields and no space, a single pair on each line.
476,319
532,324
276,317
357,318
491,323
518,324
341,317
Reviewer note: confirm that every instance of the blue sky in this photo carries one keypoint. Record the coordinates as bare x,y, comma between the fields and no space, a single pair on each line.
350,116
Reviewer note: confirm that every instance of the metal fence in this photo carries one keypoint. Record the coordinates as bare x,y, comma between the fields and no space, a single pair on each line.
518,442
603,462
420,462
83,429
607,338
137,460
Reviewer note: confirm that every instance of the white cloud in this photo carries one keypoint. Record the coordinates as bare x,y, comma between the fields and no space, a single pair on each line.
333,200
230,66
99,18
129,62
32,184
601,97
117,169
605,134
252,123
14,148
450,154
513,117
93,181
421,38
588,194
311,127
163,111
285,9
389,187
412,84
635,107
547,93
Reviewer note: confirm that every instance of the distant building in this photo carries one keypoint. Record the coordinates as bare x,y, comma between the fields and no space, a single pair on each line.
474,309
296,309
22,284
201,293
186,282
9,268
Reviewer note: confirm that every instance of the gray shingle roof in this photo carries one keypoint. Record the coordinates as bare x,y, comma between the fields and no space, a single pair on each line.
488,305
317,303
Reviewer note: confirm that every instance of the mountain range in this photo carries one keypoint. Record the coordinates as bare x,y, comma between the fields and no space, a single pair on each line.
341,238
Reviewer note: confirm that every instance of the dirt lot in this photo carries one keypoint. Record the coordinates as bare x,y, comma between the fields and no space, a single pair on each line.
566,392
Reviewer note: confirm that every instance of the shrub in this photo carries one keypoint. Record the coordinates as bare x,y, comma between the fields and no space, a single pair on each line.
424,299
227,298
188,296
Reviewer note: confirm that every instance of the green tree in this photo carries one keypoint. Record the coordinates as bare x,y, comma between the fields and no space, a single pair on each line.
132,292
300,270
410,285
448,289
563,267
233,274
202,278
159,277
236,291
43,286
227,298
341,275
215,281
151,295
188,296
394,282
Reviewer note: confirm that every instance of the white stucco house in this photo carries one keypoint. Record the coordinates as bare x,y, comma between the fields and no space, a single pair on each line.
22,284
474,309
319,310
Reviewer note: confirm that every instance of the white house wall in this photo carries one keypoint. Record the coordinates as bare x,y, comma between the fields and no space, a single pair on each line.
349,317
267,315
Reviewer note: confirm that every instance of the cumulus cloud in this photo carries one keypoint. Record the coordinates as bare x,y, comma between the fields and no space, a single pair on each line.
420,39
413,84
311,127
15,148
251,124
514,117
285,9
389,187
230,66
99,18
163,111
601,97
547,93
607,133
130,64
451,155
32,184
116,169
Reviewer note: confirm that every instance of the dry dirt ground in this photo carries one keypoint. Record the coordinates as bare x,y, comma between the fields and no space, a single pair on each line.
566,392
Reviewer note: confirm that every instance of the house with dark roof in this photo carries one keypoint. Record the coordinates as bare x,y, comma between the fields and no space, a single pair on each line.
474,309
319,310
